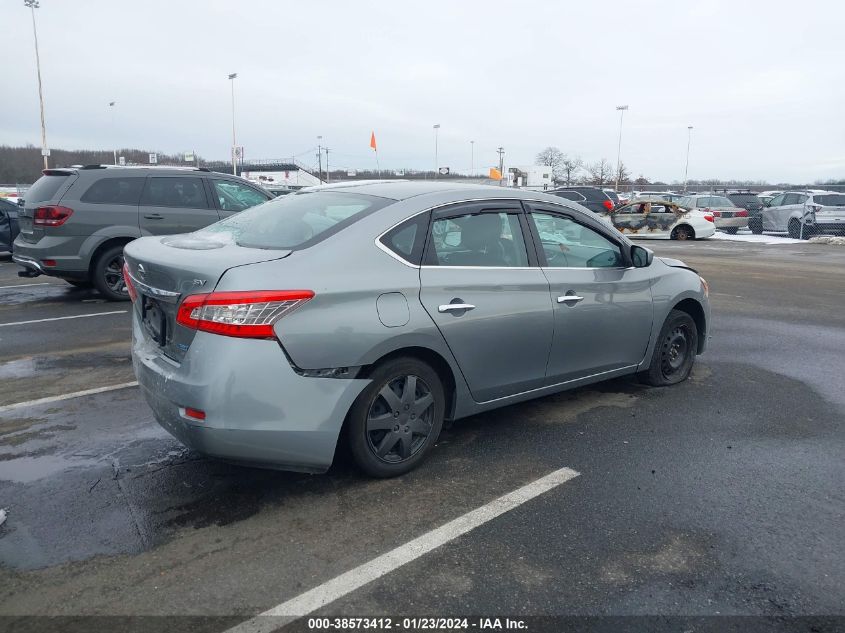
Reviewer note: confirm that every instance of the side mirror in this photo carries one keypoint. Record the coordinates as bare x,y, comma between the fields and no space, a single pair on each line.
641,257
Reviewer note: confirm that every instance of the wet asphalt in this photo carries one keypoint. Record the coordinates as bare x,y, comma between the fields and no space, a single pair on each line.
724,495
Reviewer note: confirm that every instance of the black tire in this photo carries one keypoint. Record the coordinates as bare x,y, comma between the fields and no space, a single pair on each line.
411,421
731,230
756,227
794,228
683,233
79,283
674,353
108,274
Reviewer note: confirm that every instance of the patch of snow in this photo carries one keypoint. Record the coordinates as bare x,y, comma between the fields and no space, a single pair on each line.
758,239
835,240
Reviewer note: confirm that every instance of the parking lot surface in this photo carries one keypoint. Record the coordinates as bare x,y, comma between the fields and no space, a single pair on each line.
720,496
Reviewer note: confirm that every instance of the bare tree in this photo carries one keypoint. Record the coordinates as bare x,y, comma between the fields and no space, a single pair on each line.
599,172
551,157
569,167
624,176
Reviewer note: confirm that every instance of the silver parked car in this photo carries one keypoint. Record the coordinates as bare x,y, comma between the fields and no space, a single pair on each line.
726,215
818,212
384,309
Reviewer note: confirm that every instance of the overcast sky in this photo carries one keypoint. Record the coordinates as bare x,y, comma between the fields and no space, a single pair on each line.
763,83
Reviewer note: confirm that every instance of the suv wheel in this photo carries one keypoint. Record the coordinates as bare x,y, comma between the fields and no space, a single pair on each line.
396,420
107,275
794,228
674,353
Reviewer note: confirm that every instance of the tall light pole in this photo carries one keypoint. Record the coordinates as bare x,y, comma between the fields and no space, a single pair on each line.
501,152
328,171
111,109
686,169
621,109
436,160
232,78
45,152
472,158
319,158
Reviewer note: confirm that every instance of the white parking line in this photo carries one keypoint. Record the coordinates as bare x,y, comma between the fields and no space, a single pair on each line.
76,316
43,283
67,396
353,579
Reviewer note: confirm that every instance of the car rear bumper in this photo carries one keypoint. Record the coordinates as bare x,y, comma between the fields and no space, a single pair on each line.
259,411
731,223
64,251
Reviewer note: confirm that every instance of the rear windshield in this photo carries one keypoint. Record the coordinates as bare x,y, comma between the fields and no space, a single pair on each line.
45,188
296,221
830,199
744,197
719,201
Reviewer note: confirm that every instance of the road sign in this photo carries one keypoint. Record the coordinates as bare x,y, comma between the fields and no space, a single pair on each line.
189,157
153,159
122,161
351,172
444,171
45,152
239,152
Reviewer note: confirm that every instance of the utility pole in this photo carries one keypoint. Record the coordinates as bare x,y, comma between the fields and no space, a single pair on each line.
319,159
436,160
686,169
501,152
111,108
621,109
328,172
45,152
472,158
232,78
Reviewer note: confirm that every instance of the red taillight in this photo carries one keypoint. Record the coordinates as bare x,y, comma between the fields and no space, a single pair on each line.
708,217
48,263
196,414
741,214
608,205
130,288
248,314
51,216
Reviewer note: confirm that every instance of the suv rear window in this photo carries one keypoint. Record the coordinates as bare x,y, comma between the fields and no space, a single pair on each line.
114,191
744,197
830,199
45,188
298,220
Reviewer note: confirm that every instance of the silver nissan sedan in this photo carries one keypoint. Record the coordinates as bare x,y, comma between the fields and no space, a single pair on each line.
383,309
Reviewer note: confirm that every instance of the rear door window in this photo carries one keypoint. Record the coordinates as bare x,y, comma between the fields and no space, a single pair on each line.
408,239
184,192
114,191
480,239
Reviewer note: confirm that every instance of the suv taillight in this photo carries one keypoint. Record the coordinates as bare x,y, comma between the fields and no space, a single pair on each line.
51,216
741,214
249,314
608,205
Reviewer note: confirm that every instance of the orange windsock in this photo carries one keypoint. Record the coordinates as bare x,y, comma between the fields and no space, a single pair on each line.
373,141
495,174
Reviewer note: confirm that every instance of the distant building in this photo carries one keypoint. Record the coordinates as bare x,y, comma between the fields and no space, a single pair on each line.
276,173
533,177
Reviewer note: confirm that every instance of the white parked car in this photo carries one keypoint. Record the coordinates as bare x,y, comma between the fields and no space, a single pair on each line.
662,219
822,211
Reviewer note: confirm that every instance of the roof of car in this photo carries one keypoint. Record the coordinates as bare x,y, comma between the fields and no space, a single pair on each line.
404,189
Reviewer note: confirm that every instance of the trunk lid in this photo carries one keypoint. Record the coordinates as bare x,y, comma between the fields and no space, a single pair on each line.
164,270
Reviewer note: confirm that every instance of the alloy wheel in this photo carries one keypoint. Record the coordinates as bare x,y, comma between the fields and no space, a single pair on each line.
113,274
400,419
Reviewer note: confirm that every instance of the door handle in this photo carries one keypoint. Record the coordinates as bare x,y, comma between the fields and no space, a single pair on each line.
454,307
569,299
154,216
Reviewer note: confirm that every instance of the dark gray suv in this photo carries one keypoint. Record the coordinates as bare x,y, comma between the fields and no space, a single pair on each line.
76,221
